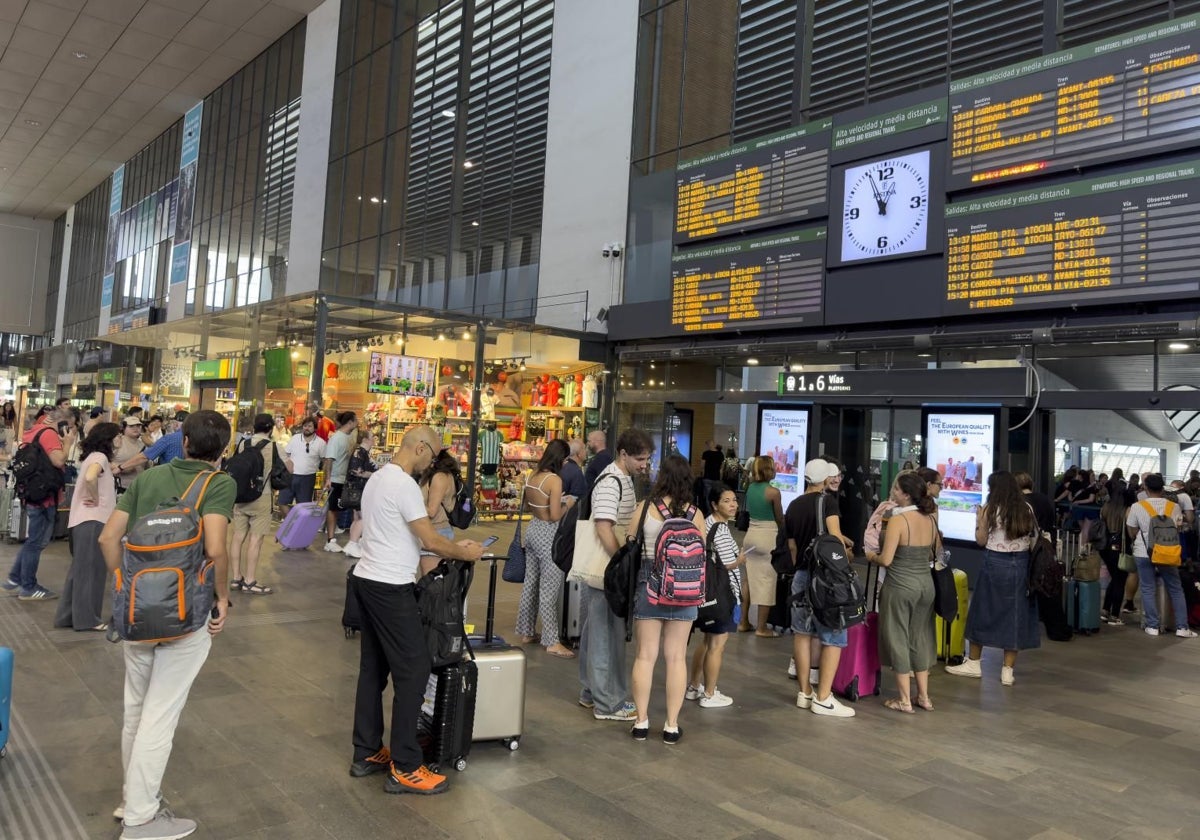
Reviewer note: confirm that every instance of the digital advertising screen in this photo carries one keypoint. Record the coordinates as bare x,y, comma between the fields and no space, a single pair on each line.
783,437
402,375
1133,94
1124,237
767,181
961,446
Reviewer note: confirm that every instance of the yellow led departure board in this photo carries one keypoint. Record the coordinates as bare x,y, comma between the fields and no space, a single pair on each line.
1124,238
1131,95
773,280
759,183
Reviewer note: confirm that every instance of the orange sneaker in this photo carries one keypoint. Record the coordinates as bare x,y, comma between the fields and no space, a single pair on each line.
422,780
377,763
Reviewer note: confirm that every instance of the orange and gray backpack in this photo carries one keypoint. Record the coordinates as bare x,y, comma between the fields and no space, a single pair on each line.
164,588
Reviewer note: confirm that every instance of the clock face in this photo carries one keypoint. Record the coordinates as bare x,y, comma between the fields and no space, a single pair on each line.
885,212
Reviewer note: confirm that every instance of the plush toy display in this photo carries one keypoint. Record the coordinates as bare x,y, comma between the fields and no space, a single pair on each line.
553,392
570,391
591,395
578,403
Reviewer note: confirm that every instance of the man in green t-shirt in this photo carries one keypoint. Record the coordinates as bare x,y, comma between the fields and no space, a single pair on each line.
159,675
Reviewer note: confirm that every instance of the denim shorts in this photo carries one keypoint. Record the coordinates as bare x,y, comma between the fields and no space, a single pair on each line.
804,623
643,609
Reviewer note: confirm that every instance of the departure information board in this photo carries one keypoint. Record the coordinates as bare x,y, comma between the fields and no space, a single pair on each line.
1132,95
762,282
1118,239
772,180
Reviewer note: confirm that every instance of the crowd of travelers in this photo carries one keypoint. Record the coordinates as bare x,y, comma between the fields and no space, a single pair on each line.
133,479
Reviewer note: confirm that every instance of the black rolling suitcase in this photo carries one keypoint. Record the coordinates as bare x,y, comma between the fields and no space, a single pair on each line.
448,715
351,622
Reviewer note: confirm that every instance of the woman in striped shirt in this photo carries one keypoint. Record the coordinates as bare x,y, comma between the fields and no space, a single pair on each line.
706,661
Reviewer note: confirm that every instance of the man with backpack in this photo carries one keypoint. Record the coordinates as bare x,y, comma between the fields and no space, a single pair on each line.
602,672
812,640
159,672
336,465
252,520
1154,524
396,531
39,468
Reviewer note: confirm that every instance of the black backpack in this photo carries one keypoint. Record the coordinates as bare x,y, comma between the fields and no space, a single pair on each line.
281,476
1046,570
620,576
246,469
440,596
835,593
562,549
461,513
718,603
37,479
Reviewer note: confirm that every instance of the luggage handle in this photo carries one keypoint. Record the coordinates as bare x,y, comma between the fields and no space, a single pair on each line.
489,626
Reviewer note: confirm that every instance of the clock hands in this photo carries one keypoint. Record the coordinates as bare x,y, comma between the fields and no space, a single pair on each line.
879,199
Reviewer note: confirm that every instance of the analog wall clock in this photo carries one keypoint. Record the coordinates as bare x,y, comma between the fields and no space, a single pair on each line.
885,208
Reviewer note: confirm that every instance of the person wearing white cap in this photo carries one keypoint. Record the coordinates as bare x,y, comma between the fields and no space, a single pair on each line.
812,641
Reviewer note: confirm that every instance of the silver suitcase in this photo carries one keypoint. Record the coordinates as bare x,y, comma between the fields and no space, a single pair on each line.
571,621
1166,613
500,692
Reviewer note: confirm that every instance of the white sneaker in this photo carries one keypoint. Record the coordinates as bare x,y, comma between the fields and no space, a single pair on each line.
968,668
337,531
830,707
693,692
1185,633
1006,675
119,812
352,550
804,701
717,701
333,546
1151,631
792,669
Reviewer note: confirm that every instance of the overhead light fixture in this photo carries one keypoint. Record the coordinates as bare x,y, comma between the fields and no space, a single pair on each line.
474,224
82,56
467,334
399,341
1178,345
752,361
448,113
33,123
295,354
468,165
522,365
924,355
374,199
796,367
441,336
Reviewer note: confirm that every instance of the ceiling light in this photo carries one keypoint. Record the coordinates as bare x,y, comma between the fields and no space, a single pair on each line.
295,354
33,123
448,113
374,199
441,336
399,342
565,367
522,365
1177,345
82,56
474,224
651,383
467,334
924,355
468,165
752,361
796,367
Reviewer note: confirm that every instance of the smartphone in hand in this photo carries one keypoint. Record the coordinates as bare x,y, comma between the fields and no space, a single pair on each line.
490,541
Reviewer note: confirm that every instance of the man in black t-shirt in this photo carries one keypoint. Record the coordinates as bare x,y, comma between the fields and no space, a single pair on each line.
713,458
812,641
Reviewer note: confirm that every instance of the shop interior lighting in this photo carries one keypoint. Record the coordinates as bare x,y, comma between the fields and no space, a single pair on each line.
1177,345
522,365
467,334
441,336
752,361
295,354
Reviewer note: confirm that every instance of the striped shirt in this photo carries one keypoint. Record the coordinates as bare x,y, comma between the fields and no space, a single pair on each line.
613,501
489,446
727,551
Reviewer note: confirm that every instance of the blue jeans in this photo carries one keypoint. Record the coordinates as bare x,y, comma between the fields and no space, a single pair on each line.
1148,584
41,529
602,671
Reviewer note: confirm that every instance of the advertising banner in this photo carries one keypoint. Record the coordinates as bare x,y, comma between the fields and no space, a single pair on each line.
962,448
185,194
783,436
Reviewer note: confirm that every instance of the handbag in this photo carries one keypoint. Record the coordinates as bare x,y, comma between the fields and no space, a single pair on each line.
590,559
514,567
352,492
742,520
945,592
781,556
1126,561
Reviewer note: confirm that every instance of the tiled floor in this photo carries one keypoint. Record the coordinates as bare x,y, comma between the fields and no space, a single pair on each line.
1098,739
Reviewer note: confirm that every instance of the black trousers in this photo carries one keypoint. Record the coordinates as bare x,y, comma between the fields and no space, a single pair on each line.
1114,596
392,644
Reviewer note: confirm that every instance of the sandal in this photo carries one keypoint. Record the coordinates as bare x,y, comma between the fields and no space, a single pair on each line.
925,703
770,634
745,628
898,705
238,585
525,640
255,588
561,653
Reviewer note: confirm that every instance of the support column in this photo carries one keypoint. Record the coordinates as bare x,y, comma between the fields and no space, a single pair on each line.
476,404
317,379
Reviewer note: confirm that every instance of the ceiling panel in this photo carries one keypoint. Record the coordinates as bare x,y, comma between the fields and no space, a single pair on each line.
101,78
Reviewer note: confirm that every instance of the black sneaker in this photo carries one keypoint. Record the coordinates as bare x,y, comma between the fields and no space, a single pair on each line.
377,763
672,737
640,733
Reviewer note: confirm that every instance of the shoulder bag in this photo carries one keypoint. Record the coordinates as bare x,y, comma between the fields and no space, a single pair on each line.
590,558
620,576
1125,560
945,591
514,567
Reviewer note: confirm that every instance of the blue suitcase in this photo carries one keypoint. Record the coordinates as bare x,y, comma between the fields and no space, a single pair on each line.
6,681
1083,605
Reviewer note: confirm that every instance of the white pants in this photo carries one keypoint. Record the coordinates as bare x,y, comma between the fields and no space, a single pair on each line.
158,678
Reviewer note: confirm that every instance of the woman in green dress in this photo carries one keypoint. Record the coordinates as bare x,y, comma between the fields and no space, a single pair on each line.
906,641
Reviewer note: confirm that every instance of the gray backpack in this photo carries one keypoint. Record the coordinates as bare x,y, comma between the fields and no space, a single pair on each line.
164,588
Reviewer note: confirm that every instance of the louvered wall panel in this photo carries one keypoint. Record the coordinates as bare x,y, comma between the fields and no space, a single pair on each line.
1091,20
768,49
909,46
840,55
986,34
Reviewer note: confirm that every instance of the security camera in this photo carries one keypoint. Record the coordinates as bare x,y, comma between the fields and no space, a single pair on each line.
616,249
606,251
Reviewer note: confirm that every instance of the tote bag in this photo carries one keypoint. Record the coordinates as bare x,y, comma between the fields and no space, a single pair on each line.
591,557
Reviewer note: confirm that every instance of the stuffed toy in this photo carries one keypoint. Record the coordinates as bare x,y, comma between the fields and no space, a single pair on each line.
553,392
591,396
570,391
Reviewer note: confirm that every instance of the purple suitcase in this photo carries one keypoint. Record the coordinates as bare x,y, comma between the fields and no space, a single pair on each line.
300,527
6,681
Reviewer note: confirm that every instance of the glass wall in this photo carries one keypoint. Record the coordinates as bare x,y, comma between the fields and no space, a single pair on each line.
437,154
56,249
243,207
85,271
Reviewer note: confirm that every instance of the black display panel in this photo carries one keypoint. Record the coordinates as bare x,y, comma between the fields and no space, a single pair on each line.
1130,95
768,181
1110,240
771,281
